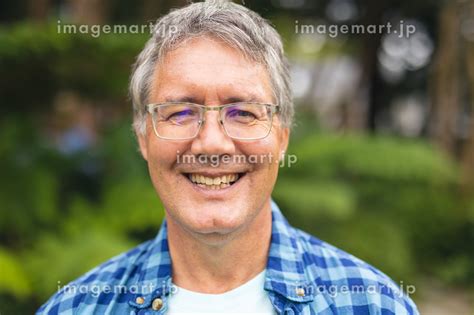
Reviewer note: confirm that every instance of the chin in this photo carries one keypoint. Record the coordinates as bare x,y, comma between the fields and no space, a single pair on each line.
216,219
219,223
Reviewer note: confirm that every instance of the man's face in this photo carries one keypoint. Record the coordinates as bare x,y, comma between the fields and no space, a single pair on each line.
206,71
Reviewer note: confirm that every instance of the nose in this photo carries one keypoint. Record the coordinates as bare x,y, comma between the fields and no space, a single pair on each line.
212,139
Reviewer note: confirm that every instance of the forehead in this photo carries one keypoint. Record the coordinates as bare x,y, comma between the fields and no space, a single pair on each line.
206,67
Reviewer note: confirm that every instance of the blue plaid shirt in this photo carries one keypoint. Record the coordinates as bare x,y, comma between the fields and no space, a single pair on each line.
304,275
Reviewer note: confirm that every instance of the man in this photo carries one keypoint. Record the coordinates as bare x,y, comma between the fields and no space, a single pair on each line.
213,85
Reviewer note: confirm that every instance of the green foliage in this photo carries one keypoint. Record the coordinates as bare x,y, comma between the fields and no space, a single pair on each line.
366,193
393,202
375,157
28,189
316,200
45,61
56,260
14,279
51,241
127,207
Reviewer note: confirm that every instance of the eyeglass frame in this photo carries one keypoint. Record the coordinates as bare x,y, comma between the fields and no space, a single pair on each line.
274,109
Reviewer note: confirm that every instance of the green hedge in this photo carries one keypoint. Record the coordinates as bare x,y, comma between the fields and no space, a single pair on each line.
393,202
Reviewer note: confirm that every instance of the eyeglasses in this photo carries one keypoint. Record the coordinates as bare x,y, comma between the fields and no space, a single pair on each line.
241,121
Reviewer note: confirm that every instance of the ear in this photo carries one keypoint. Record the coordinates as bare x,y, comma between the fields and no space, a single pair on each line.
143,144
284,139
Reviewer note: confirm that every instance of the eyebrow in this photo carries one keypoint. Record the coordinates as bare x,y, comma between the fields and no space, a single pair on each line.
184,99
237,99
227,100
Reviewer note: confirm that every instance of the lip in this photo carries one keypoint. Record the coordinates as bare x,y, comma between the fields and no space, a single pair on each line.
216,192
214,174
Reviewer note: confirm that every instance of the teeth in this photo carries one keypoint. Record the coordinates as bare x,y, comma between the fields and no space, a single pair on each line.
213,183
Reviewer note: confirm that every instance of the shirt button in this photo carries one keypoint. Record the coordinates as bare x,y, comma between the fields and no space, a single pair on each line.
300,292
140,300
157,304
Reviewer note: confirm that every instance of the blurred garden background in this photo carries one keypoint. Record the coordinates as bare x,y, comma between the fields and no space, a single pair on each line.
384,138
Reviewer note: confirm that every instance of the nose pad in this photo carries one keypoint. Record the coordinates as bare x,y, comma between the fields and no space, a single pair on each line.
219,120
210,140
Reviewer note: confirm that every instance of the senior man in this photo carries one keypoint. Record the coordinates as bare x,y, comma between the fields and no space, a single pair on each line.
213,81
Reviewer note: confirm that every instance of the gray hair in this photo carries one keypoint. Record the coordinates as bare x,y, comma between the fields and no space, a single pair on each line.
234,24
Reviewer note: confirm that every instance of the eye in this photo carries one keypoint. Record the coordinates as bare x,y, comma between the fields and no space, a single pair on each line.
239,115
181,114
177,114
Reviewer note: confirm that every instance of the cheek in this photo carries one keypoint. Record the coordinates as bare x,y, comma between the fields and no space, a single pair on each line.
269,147
264,155
163,155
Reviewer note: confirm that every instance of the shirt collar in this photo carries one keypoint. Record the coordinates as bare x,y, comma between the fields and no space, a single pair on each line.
285,272
154,276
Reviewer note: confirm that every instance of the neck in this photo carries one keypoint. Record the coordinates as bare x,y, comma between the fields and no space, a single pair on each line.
217,267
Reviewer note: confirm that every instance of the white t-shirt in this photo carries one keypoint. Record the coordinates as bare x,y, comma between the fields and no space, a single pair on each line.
249,298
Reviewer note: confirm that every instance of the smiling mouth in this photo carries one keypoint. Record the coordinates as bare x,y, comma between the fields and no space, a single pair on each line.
214,183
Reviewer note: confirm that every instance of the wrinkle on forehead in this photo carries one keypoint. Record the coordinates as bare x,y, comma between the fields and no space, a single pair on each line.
210,69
